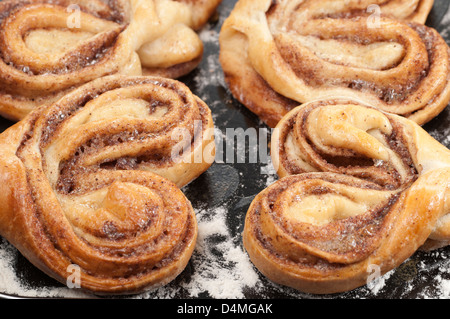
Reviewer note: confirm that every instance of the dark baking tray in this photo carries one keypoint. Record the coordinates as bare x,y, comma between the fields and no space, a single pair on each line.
225,192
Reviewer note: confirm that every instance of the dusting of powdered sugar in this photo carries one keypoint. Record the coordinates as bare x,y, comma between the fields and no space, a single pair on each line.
441,281
376,286
426,279
12,285
222,268
210,72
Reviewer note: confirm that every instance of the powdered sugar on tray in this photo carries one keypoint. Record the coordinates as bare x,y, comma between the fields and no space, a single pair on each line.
11,284
222,267
445,289
441,282
430,280
210,72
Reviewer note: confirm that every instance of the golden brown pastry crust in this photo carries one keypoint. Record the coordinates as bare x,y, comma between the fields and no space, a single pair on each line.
172,48
91,181
358,188
277,55
29,76
202,11
48,48
349,138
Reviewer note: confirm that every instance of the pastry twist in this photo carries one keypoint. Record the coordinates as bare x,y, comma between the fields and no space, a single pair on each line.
279,54
169,45
93,181
359,188
48,48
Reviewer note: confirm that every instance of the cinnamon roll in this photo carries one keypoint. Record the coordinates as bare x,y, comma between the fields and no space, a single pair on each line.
359,189
48,48
279,54
93,181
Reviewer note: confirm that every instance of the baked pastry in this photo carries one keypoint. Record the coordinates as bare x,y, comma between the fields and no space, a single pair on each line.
346,137
173,48
93,180
359,189
48,48
279,54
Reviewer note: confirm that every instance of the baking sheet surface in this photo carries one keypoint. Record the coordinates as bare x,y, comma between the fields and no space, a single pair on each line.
220,267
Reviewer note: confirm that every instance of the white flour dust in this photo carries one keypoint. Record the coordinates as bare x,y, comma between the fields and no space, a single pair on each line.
222,268
11,284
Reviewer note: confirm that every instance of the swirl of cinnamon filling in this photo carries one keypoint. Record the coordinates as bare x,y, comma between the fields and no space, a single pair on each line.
93,181
279,54
48,48
359,188
345,137
324,233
